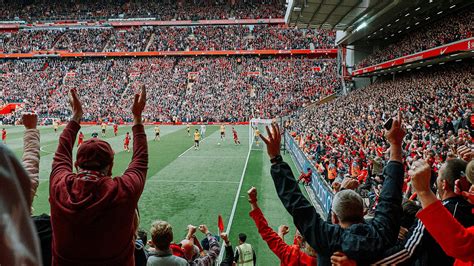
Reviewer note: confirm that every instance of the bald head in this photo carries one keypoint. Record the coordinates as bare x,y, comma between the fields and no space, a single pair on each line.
189,249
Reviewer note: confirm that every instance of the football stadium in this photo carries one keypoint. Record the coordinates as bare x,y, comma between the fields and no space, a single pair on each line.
236,132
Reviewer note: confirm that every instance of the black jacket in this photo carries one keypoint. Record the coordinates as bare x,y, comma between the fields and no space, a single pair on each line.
419,247
364,242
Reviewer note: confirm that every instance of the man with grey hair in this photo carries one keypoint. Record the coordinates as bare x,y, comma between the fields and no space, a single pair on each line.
347,208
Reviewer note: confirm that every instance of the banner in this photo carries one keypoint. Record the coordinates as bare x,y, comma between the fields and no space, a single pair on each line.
255,73
316,69
459,46
321,191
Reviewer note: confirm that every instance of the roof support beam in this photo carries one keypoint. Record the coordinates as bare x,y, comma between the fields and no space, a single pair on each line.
329,14
347,13
315,12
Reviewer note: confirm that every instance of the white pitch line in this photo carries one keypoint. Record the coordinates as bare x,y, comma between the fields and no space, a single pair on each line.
234,207
181,155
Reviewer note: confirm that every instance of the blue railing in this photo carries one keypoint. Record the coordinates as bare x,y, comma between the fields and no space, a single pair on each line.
323,193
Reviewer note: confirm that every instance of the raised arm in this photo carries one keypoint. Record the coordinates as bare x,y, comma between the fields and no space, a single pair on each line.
31,152
62,161
316,231
388,214
135,175
456,241
276,244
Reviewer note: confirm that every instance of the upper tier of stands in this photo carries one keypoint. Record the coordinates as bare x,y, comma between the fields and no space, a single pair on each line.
159,10
452,28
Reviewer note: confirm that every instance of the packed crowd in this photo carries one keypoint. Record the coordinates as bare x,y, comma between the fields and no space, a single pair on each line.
437,105
436,231
181,88
450,29
198,38
33,11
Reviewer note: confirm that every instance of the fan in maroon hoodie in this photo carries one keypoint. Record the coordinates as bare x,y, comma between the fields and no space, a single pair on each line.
92,214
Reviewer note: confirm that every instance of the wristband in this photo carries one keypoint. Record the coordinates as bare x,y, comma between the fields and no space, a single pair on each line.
277,159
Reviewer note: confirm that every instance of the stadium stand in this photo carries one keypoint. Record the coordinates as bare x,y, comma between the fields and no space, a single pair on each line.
161,10
223,89
453,28
201,38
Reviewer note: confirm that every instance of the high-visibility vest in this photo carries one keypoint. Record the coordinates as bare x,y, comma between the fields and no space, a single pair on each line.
245,254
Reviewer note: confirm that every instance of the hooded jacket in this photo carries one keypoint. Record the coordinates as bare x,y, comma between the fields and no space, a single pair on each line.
93,218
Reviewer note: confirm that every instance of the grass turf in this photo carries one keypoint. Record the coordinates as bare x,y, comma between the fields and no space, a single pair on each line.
185,186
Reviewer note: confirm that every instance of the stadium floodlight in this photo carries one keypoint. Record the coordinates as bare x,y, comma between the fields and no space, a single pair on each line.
361,26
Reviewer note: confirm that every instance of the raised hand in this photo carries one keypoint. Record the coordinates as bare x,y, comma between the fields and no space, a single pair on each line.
29,120
272,141
420,173
252,193
225,237
283,230
203,228
76,106
396,133
138,106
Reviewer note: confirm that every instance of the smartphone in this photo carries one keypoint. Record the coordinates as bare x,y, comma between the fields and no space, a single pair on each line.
388,124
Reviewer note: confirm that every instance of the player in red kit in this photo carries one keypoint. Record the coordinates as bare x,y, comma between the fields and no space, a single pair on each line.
80,139
236,138
4,136
115,129
126,142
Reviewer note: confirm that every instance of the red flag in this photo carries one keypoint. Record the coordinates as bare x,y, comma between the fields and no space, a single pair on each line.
220,224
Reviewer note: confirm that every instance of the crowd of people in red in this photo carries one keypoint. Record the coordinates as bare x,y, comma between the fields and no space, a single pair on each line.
180,88
140,39
33,11
457,26
344,139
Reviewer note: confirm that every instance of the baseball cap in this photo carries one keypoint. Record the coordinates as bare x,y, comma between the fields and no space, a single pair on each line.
94,154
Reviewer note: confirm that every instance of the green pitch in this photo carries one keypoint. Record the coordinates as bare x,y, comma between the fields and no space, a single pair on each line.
185,186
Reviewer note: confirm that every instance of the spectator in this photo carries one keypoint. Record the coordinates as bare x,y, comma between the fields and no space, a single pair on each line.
92,207
362,241
456,240
244,252
419,246
191,252
161,237
299,253
19,242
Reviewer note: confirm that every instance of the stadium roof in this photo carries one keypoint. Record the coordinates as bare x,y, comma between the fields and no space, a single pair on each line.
360,19
332,14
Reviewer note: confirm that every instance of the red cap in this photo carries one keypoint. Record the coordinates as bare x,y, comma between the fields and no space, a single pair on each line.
94,154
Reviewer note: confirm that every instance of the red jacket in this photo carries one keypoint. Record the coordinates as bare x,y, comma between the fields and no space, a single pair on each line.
290,255
456,241
93,220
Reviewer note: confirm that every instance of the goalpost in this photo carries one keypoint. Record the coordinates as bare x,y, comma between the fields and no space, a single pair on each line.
257,127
